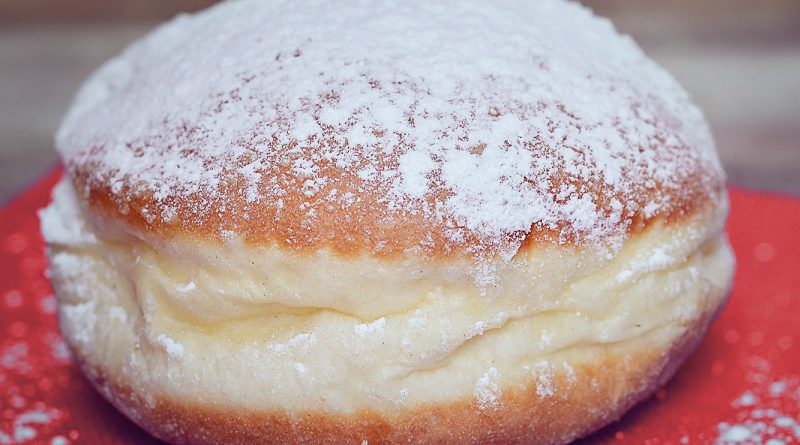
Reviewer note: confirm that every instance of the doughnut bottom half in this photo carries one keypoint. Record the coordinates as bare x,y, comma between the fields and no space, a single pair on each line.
568,343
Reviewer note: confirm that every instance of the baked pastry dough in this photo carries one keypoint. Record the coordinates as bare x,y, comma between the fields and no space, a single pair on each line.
401,222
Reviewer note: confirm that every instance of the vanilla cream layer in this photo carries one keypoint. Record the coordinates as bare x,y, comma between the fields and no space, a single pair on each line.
264,327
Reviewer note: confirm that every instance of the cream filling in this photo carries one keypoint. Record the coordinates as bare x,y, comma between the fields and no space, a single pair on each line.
261,327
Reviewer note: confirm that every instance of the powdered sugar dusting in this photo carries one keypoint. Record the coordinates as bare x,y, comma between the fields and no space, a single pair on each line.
172,347
299,344
657,259
746,399
487,389
25,426
543,373
735,434
766,412
309,110
35,363
370,329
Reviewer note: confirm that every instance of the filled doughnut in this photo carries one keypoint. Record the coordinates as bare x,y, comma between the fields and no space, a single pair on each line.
363,222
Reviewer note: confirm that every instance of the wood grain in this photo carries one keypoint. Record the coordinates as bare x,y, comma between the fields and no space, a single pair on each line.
76,11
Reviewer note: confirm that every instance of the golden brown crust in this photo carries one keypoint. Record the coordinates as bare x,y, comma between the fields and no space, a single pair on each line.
596,395
372,149
366,227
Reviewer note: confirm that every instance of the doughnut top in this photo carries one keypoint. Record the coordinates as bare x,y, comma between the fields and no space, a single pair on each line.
444,127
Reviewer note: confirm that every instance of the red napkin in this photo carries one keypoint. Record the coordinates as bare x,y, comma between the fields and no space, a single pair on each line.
742,385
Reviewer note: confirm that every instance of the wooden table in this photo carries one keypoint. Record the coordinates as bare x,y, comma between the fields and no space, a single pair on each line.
747,79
